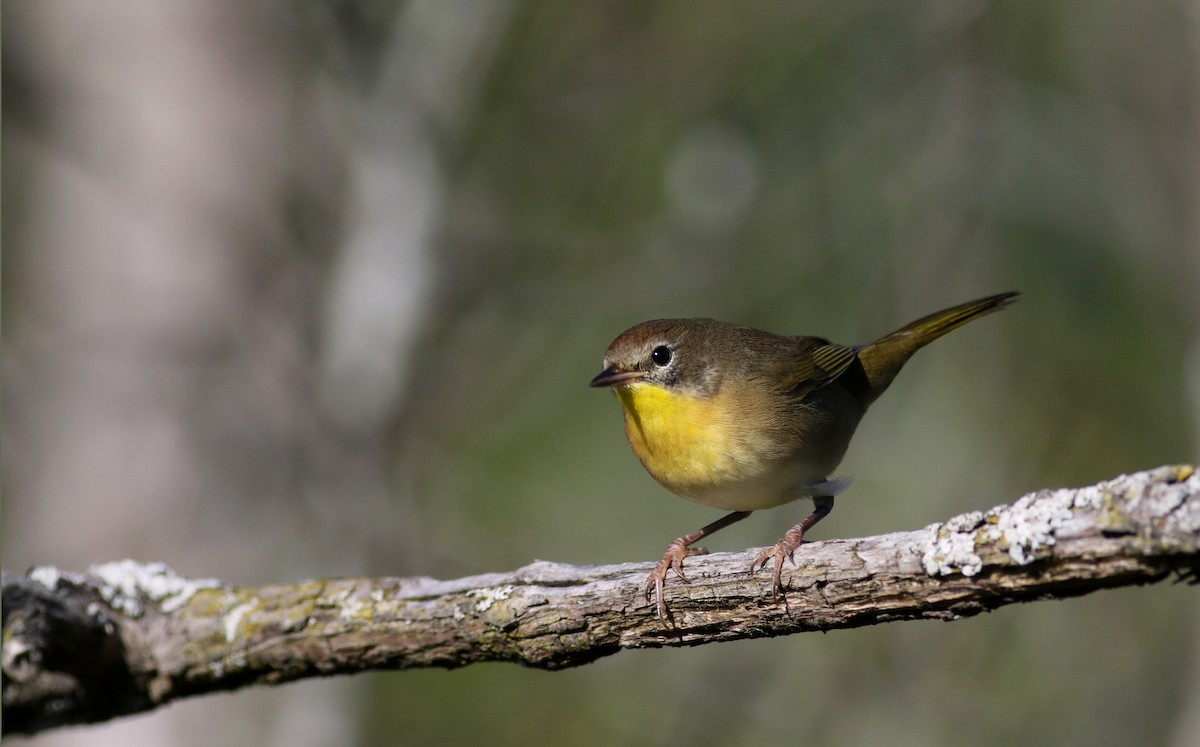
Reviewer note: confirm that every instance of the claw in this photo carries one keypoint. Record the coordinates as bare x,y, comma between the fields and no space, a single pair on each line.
672,560
784,548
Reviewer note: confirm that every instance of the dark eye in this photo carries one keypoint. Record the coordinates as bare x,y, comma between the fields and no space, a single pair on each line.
661,355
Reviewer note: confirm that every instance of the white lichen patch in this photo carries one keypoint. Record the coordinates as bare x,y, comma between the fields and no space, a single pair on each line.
945,550
967,522
352,608
1184,516
1169,498
1029,525
233,620
489,596
1091,497
1023,529
46,575
124,584
20,659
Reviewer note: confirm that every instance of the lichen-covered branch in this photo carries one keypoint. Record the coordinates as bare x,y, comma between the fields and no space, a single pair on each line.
125,637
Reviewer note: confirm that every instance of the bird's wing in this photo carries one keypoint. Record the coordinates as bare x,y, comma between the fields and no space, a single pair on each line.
817,362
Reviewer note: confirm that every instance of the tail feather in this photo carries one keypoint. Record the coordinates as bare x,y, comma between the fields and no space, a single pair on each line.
884,358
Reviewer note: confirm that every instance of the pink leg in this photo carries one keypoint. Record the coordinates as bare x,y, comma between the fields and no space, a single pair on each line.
792,539
672,559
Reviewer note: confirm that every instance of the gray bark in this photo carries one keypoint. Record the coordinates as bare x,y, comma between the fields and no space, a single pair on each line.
123,637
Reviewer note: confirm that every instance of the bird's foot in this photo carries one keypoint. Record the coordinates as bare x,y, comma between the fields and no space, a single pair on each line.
672,560
784,548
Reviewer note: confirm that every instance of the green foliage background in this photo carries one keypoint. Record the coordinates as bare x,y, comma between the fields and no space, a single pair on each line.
204,203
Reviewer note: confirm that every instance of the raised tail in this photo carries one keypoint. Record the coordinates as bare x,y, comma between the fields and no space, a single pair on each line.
883,359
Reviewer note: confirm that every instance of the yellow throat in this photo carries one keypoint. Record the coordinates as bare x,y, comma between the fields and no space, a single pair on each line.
685,442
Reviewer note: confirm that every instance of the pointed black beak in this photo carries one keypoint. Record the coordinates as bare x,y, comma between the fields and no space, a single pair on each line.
612,376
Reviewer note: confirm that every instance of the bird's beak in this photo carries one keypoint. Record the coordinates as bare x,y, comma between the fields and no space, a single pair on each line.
614,376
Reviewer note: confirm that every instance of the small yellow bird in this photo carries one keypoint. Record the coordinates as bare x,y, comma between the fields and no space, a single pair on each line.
740,419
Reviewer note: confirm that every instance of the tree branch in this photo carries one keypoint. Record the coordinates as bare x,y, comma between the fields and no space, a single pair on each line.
125,637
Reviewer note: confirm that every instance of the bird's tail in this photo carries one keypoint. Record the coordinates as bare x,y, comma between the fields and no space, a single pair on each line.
884,358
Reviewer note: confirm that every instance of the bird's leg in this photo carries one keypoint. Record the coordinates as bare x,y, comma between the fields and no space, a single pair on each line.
786,547
680,548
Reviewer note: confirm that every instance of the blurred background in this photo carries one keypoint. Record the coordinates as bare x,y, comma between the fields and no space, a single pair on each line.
311,289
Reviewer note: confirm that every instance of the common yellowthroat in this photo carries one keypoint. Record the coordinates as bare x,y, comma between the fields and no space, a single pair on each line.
740,419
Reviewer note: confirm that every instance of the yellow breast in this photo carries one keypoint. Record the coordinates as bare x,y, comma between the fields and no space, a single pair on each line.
718,452
687,443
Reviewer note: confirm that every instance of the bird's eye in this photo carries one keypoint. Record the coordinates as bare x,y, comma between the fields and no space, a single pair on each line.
661,355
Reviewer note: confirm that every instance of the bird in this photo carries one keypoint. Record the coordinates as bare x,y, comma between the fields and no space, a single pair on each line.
740,419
